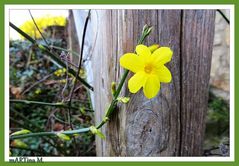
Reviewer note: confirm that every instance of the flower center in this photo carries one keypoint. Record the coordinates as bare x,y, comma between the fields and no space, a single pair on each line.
148,68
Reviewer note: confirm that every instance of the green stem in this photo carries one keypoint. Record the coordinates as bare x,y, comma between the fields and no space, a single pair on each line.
118,90
42,103
35,127
51,55
50,133
108,113
114,102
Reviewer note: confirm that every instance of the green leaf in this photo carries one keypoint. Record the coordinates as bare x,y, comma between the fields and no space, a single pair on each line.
94,130
82,110
23,131
63,137
100,134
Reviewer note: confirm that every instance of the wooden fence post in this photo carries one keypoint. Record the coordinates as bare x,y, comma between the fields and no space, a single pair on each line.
171,124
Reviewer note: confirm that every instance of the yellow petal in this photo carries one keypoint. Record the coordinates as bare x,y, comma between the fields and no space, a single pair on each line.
164,74
143,51
131,62
137,81
151,86
162,55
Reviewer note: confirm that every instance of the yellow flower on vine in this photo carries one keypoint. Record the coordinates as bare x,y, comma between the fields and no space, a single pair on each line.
149,69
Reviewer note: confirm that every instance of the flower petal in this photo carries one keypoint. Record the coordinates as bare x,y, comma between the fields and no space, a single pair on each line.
137,81
151,86
163,74
131,62
162,55
143,51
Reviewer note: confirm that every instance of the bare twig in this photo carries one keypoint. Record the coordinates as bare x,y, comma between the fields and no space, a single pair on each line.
38,28
224,16
50,133
36,83
79,64
42,103
77,73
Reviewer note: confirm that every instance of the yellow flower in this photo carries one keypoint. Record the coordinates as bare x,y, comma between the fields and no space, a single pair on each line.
149,69
42,22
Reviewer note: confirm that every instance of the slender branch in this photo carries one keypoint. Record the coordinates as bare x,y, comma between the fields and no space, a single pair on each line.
224,16
22,33
114,102
109,112
37,82
59,120
35,127
51,133
38,28
79,64
42,103
50,54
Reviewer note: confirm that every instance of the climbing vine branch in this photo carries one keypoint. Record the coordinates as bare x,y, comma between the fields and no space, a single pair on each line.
146,31
60,104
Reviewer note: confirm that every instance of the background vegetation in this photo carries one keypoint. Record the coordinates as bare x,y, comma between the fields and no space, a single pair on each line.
34,77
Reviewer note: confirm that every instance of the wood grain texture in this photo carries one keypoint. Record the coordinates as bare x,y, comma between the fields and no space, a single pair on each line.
151,128
197,37
171,124
73,41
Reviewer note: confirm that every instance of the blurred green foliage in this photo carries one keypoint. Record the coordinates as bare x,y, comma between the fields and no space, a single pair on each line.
28,66
217,124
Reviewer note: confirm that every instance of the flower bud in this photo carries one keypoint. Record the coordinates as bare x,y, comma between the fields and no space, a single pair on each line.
23,131
94,130
106,119
123,99
63,137
113,88
148,30
153,47
145,28
19,143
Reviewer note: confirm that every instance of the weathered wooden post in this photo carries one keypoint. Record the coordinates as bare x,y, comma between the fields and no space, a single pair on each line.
171,124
